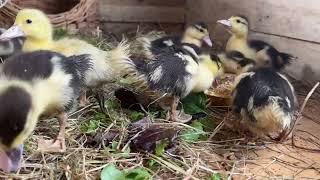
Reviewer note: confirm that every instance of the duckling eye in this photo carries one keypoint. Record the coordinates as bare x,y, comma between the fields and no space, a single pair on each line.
28,21
201,30
238,21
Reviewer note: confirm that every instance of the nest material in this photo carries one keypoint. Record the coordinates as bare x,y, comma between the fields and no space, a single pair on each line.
67,14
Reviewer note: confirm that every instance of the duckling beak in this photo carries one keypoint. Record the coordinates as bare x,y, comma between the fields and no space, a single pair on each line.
208,41
13,32
226,23
10,160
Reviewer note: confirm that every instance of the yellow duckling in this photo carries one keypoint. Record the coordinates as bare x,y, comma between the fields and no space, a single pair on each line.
37,28
263,53
153,44
209,68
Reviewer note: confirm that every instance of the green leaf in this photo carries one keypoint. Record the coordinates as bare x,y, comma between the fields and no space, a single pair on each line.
161,148
114,145
151,163
113,104
111,172
135,116
216,176
125,81
194,134
138,174
194,103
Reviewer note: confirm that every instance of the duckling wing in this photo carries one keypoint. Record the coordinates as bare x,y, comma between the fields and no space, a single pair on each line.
164,44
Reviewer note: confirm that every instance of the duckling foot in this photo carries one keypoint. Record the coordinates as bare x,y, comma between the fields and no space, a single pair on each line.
83,102
57,145
180,116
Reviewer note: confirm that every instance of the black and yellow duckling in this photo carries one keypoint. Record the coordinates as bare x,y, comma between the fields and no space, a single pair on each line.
36,27
169,73
235,62
10,47
152,44
266,102
40,83
263,53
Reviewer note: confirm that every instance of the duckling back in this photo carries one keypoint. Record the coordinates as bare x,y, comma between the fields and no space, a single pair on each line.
266,102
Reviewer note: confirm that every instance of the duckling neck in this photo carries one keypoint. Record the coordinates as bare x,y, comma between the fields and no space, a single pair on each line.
191,40
237,41
32,44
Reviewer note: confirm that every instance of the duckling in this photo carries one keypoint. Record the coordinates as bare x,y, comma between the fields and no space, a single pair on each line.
150,45
38,84
173,74
209,68
263,53
235,62
37,28
266,101
10,47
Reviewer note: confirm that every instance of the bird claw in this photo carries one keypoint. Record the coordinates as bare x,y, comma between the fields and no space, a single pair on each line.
58,145
181,117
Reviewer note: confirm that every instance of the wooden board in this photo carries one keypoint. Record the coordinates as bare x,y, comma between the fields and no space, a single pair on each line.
143,11
295,18
170,3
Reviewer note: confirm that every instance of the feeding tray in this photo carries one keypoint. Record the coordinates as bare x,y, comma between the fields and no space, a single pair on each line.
220,93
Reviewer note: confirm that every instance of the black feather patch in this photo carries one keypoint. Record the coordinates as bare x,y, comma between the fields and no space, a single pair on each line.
77,66
239,58
263,84
278,60
167,72
164,44
15,104
200,24
28,66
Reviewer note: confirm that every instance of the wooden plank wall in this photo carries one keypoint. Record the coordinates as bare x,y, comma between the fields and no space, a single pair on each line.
123,16
290,25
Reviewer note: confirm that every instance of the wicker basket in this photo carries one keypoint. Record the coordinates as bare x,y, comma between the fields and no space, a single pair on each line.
72,15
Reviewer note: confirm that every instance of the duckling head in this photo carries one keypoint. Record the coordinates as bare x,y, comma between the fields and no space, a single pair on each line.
197,33
236,62
15,108
32,24
237,25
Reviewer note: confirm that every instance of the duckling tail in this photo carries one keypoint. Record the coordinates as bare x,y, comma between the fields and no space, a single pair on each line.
118,55
284,59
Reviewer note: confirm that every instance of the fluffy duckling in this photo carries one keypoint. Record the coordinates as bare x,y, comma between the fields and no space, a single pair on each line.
169,73
266,101
40,83
150,45
37,28
263,53
235,62
10,47
209,68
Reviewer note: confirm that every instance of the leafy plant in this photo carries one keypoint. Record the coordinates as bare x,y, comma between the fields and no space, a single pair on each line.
91,126
161,148
112,173
216,176
195,103
135,116
195,134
